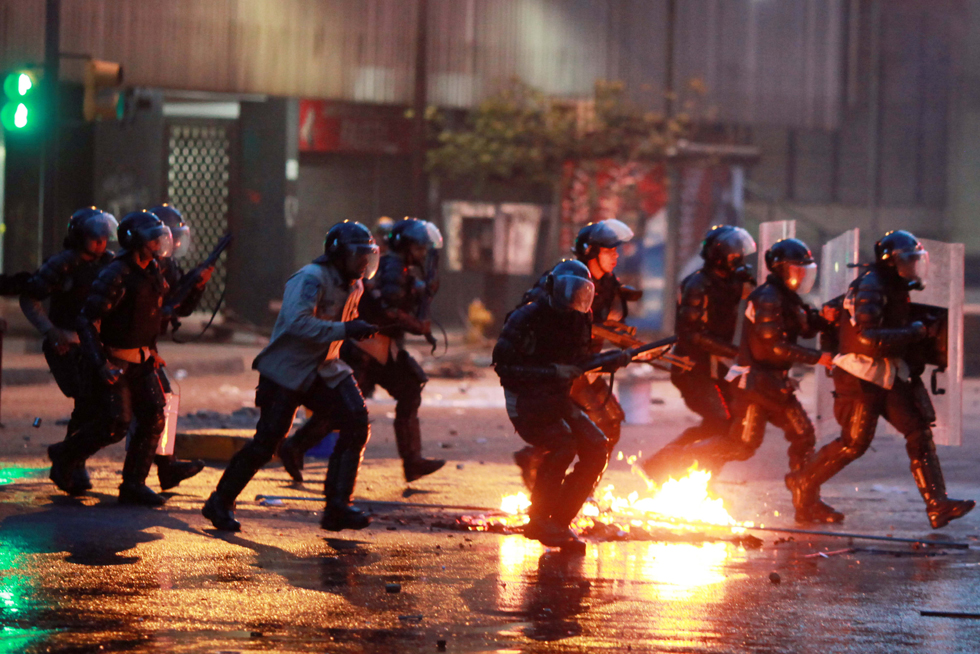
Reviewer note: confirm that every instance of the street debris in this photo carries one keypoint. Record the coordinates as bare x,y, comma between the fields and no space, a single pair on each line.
774,577
950,614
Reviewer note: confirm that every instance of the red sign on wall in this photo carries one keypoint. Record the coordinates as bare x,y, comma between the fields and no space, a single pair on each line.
326,126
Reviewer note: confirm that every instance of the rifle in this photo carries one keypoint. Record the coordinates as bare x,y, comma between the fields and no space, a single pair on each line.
604,359
186,285
624,337
425,307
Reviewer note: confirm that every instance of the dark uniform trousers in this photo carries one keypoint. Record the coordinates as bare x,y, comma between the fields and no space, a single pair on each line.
562,431
767,400
858,404
139,394
341,408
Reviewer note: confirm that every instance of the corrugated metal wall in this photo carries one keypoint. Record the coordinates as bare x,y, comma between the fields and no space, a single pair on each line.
770,62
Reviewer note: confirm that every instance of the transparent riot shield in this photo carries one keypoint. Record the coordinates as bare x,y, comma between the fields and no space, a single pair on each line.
943,299
835,277
769,233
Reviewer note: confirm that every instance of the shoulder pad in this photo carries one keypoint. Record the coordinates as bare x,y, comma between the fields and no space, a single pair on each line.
766,303
52,274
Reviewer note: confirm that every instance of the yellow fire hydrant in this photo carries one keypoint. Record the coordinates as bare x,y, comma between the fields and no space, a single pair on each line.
479,318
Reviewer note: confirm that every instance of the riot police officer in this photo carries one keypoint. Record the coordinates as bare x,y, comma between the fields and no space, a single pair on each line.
597,246
65,279
301,365
118,327
170,470
775,318
537,358
877,374
396,300
707,315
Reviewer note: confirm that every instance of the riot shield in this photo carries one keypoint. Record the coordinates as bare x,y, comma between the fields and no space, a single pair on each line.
835,277
943,299
769,233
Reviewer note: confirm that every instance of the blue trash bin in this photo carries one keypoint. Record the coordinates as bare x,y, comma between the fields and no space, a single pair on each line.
324,448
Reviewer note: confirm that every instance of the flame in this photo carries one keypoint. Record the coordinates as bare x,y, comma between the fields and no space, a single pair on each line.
680,504
515,504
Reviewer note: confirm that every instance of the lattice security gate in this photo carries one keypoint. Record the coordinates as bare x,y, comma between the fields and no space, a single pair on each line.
199,179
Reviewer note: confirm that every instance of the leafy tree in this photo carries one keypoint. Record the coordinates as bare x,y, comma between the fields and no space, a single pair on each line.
520,134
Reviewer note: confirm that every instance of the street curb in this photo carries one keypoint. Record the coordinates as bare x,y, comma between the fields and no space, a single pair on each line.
211,444
199,368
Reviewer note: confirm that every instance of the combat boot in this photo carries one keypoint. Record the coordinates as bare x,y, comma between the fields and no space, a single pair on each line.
140,495
292,459
339,487
551,534
64,471
139,460
171,472
420,467
221,513
929,479
408,437
338,518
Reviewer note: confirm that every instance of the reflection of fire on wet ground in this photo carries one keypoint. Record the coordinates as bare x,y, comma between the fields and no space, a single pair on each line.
682,510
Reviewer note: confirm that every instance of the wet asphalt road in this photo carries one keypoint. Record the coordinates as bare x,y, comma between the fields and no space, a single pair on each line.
88,575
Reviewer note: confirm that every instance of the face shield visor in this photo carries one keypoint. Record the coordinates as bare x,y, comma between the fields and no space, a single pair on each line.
800,277
434,235
739,244
611,233
361,260
160,241
98,228
573,293
182,241
913,267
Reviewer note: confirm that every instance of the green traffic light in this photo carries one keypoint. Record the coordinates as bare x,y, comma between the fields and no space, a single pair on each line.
18,84
15,116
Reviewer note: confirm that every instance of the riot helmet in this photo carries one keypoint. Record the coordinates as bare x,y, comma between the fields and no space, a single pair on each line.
414,237
902,252
570,286
382,229
791,260
91,230
609,233
181,232
351,248
144,229
724,250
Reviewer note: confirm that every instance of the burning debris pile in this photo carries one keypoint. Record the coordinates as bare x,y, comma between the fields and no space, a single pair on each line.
682,510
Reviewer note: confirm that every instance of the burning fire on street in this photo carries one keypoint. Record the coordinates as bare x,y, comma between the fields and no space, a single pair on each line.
682,510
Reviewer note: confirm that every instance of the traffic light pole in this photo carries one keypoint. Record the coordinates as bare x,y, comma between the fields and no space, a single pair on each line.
47,216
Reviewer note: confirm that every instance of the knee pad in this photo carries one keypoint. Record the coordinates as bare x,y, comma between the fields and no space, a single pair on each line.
859,431
801,432
751,430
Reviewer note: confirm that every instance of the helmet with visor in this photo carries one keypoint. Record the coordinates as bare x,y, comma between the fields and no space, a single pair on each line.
791,260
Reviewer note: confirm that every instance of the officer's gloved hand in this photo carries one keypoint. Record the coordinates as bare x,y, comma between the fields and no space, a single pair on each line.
920,330
566,372
109,373
359,329
62,339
